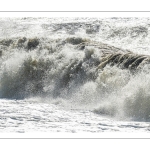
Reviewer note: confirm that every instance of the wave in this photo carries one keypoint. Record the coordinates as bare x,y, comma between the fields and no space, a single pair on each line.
98,64
84,73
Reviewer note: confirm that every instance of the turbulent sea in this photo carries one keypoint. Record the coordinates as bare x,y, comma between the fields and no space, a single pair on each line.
74,75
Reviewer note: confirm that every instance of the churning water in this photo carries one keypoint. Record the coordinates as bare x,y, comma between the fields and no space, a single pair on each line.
74,74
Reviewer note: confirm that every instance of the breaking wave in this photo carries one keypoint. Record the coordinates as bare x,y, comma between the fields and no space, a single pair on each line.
79,64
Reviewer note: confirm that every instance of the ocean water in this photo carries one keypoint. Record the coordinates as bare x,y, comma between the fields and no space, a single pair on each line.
74,75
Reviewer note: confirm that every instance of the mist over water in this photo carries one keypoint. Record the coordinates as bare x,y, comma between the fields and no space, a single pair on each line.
100,65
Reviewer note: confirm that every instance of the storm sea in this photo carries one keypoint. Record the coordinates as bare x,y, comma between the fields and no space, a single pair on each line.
74,75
